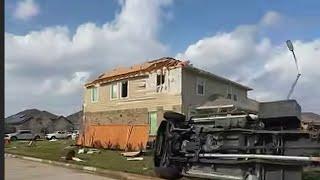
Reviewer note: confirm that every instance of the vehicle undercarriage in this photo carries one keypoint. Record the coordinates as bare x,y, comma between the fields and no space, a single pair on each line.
228,143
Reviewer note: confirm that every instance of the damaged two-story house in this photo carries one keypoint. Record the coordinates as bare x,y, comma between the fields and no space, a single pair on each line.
137,96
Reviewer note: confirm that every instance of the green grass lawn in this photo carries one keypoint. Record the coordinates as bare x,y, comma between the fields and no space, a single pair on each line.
107,159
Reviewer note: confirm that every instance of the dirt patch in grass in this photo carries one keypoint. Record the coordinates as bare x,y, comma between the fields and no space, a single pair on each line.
106,159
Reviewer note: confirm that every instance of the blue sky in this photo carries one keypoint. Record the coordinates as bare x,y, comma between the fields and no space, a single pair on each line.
88,37
187,20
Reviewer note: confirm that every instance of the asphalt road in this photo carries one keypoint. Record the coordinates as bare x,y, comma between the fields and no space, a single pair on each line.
17,169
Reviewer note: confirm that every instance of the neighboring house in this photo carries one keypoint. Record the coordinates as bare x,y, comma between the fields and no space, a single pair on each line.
76,119
38,121
140,94
310,121
62,123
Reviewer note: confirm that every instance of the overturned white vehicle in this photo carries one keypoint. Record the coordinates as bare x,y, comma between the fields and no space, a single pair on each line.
227,142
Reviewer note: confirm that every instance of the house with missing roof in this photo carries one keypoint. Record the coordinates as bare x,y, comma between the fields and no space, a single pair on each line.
130,101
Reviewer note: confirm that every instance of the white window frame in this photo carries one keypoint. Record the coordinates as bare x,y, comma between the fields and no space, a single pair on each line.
111,91
162,86
203,84
91,94
120,86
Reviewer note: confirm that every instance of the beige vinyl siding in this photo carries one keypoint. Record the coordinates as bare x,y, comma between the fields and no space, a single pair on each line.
141,94
212,86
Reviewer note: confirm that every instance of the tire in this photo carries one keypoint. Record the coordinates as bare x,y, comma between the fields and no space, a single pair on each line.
174,116
162,169
53,137
13,138
168,172
36,137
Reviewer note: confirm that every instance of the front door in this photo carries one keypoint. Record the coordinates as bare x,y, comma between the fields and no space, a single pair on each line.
153,126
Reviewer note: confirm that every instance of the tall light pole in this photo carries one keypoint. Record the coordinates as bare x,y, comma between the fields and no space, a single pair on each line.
290,47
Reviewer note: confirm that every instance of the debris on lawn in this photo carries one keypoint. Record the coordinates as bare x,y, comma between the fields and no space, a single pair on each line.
92,151
71,156
134,158
81,151
131,154
52,140
77,159
89,151
30,143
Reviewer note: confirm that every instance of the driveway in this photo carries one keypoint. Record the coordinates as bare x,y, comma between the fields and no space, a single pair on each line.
17,169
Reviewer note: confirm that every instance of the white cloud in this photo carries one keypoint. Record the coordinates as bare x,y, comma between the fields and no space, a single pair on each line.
271,18
71,86
45,69
244,56
26,9
52,63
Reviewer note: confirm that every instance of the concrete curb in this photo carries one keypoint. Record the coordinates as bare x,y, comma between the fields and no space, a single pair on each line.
107,173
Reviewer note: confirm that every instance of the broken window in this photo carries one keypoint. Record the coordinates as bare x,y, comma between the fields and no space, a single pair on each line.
200,87
124,89
160,82
94,94
160,79
114,91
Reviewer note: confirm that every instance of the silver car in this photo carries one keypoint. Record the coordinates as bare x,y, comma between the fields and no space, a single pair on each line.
58,135
22,135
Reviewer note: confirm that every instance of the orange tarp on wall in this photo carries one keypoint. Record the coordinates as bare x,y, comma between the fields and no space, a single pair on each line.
115,136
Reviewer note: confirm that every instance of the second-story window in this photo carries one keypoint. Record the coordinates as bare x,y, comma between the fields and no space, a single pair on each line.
160,82
114,91
94,94
160,79
124,89
200,87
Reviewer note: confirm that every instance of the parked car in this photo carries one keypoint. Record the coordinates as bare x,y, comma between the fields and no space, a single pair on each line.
58,135
22,135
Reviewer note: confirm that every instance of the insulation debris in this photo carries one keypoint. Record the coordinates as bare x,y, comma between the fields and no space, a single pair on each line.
131,154
134,158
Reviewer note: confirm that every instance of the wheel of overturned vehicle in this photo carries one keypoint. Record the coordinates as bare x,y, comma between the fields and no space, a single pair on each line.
13,138
163,168
174,116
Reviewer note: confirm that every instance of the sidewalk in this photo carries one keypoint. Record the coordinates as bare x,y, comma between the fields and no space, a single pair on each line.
104,172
